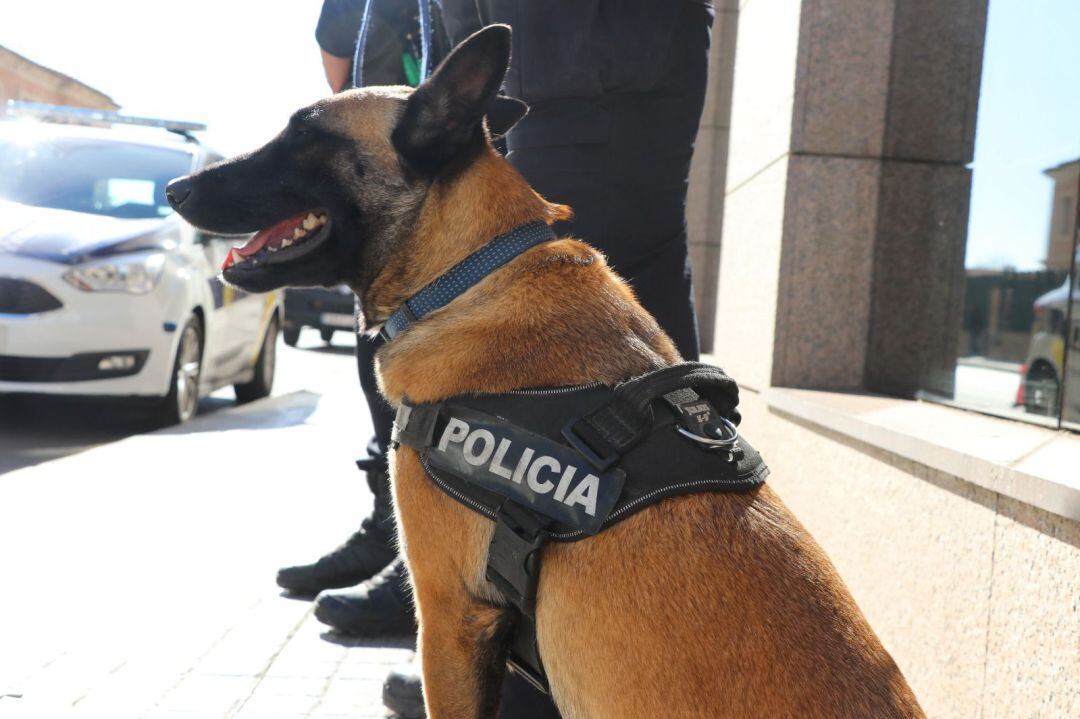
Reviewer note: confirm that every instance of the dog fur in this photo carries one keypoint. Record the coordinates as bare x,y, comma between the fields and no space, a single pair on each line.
709,605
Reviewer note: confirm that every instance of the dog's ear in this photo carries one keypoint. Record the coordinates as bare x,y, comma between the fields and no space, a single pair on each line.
505,112
443,115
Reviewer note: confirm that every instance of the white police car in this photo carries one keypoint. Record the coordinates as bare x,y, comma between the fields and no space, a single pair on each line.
103,290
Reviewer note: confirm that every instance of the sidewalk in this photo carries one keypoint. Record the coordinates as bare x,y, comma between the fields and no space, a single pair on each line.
138,577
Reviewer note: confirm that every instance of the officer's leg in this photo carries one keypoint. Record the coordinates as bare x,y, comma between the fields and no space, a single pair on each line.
382,416
379,605
373,546
663,286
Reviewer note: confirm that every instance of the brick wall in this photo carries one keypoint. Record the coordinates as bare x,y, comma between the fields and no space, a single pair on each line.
23,79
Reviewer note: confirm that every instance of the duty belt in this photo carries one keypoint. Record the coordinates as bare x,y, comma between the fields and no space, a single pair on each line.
559,464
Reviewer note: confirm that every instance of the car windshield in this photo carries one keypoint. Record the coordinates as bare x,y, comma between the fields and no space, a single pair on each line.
102,177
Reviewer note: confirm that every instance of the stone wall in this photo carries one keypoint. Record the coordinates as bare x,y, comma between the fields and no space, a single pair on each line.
845,210
839,214
973,593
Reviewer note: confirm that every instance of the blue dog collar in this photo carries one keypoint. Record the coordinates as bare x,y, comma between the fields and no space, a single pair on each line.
447,287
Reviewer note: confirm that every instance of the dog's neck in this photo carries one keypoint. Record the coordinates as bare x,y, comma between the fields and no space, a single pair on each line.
555,315
458,217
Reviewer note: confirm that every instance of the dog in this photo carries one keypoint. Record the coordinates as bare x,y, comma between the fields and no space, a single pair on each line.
706,605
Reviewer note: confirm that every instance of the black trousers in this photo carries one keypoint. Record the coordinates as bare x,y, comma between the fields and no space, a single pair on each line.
622,163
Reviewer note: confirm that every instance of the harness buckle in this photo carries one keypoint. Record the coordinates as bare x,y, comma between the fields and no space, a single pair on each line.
513,563
571,432
724,437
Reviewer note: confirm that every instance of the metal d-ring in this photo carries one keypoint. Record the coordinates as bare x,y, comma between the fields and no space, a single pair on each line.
727,440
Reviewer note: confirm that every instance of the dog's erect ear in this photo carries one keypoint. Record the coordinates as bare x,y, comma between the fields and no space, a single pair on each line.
444,113
505,112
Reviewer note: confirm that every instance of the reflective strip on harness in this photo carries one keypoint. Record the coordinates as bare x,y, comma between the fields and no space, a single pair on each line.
537,473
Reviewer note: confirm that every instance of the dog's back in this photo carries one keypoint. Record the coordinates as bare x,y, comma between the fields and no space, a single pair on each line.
723,607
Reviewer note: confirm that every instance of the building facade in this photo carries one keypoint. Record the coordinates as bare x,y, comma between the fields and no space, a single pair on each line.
23,79
1066,177
850,188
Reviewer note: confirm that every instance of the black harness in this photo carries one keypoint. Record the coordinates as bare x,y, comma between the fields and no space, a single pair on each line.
560,464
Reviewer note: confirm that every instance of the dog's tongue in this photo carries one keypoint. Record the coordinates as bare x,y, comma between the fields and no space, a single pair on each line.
283,229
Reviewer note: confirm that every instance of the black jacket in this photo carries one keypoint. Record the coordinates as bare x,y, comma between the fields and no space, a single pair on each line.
573,48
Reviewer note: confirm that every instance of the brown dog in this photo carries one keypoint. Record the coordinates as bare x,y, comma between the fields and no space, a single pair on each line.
709,605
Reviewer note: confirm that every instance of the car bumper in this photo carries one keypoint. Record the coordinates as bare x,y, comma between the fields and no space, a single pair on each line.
319,308
77,349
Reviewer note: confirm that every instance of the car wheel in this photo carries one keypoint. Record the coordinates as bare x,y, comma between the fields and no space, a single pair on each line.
182,401
327,334
291,335
263,381
1041,388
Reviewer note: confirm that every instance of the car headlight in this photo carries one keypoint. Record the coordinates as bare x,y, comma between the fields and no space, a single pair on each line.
136,275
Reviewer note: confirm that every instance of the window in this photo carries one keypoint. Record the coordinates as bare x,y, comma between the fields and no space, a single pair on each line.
1019,345
98,176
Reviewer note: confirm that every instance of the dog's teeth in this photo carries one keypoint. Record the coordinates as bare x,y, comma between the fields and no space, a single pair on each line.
286,242
322,219
297,233
310,223
237,258
272,248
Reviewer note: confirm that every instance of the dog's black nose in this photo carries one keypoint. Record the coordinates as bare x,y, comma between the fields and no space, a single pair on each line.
177,191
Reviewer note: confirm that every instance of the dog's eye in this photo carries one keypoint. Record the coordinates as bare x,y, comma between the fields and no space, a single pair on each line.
301,132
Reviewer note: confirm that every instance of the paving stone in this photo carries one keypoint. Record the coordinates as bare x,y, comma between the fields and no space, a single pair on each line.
177,613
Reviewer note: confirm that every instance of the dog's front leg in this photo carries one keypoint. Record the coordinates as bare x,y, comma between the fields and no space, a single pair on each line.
463,656
462,638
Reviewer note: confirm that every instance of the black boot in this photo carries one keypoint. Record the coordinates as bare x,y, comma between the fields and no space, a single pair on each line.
380,607
402,692
362,555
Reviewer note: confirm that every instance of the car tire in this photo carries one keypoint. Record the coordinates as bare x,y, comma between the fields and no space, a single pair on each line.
291,335
263,381
327,334
182,401
1041,388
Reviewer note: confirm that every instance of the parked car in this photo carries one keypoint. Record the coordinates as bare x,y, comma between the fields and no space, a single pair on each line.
104,291
1044,372
327,310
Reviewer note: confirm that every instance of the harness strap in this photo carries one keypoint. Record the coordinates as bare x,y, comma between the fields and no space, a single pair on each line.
447,287
616,427
513,557
361,43
524,654
513,566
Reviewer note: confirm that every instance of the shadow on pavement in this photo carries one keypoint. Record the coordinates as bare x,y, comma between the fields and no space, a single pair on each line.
344,640
35,429
39,428
271,413
330,349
